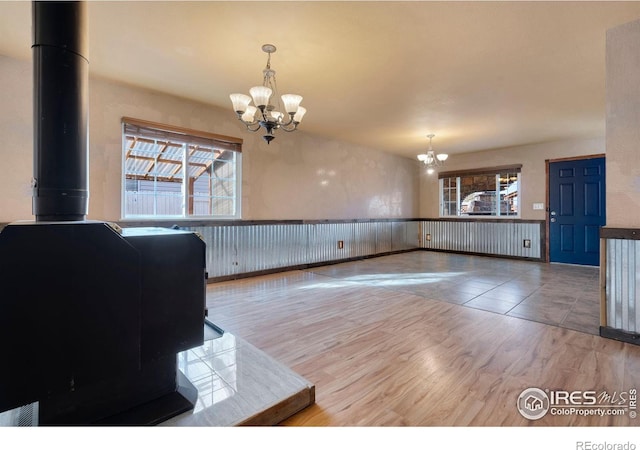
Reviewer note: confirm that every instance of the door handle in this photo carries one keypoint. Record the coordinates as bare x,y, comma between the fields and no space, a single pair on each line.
553,213
553,219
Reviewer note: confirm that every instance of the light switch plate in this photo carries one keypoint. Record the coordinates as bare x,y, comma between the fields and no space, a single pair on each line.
538,206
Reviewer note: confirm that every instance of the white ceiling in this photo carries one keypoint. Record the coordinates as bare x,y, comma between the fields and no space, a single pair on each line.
478,75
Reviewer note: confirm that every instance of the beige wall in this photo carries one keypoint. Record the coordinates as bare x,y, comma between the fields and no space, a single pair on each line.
532,158
298,176
16,145
623,126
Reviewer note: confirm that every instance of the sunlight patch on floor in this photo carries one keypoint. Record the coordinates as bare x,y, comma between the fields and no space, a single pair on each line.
387,279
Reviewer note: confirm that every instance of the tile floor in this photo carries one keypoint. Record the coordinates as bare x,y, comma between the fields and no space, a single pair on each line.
555,294
237,384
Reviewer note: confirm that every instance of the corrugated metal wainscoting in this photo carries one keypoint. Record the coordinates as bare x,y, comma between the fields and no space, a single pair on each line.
621,282
515,238
236,249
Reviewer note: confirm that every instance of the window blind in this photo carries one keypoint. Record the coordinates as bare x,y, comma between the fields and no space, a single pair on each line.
157,131
514,168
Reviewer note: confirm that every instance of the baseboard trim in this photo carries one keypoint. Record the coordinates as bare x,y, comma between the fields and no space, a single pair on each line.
239,276
620,335
461,252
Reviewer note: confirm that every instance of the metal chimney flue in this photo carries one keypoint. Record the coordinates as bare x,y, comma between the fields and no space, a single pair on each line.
61,113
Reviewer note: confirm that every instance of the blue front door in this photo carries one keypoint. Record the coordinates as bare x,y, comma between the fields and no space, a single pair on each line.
576,210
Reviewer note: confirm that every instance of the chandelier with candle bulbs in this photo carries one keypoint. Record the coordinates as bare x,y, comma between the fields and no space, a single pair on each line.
430,159
267,112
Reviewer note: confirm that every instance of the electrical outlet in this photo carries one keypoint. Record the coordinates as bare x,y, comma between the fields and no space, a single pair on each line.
428,238
527,243
340,244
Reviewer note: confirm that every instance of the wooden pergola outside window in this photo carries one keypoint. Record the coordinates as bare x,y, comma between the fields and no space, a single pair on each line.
170,171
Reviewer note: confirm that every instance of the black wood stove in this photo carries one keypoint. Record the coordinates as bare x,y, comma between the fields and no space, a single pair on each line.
91,315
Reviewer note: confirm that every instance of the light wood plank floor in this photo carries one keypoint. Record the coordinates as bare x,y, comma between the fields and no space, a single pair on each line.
393,341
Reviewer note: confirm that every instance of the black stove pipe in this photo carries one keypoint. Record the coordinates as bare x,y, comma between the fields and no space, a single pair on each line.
61,113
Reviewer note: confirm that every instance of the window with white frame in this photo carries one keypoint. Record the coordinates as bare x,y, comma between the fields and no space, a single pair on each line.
491,192
176,172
